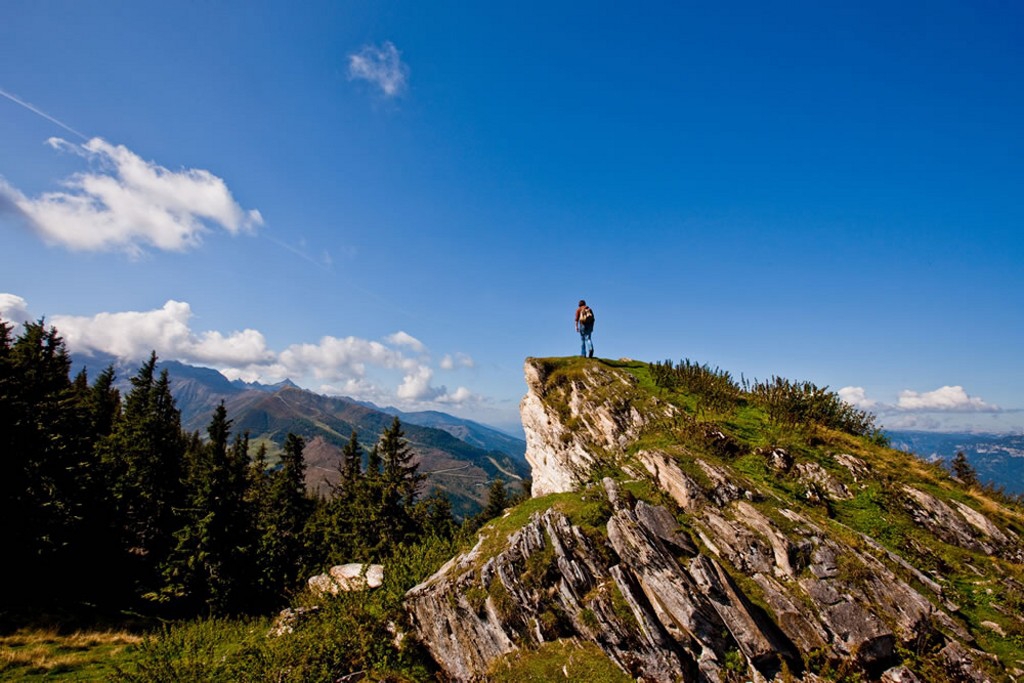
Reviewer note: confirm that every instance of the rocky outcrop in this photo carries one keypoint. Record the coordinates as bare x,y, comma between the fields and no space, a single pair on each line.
656,616
713,578
661,607
962,526
573,421
348,577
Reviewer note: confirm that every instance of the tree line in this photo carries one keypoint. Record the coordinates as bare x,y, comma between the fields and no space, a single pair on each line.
108,501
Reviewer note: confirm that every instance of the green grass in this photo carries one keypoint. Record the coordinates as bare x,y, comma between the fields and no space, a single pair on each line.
562,660
39,654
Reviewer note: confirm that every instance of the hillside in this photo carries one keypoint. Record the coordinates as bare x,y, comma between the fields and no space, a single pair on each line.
461,470
685,528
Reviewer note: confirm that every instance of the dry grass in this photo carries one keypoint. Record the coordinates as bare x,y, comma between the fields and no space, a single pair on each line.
29,653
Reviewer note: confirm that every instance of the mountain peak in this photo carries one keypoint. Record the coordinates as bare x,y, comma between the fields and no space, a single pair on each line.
684,527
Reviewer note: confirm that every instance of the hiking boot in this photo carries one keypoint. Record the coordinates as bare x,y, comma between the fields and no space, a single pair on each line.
591,355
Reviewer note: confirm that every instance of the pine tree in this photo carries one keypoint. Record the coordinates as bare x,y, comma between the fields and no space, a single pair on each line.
104,403
287,513
399,483
963,470
211,554
143,467
337,526
434,514
351,464
43,442
497,500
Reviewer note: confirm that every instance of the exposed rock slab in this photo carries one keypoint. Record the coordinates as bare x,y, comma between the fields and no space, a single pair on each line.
732,582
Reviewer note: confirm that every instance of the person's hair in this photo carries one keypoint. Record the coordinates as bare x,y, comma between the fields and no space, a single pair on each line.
582,302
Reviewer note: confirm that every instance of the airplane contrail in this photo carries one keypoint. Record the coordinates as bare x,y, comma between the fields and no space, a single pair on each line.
40,112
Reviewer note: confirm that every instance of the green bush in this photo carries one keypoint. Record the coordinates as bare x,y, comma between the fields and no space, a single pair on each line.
792,403
715,388
350,632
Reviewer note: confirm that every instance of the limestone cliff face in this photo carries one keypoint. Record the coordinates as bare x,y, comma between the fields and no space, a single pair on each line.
683,567
575,421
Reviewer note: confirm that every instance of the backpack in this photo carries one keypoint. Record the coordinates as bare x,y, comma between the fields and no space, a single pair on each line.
586,317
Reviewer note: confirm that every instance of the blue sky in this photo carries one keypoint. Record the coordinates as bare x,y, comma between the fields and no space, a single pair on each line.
400,201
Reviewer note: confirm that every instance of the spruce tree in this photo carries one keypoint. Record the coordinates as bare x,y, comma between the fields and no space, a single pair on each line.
287,513
209,562
399,484
43,441
351,464
143,467
497,500
335,527
104,403
434,514
963,470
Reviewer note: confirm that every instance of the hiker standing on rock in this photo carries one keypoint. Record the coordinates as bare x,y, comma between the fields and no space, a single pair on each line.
585,326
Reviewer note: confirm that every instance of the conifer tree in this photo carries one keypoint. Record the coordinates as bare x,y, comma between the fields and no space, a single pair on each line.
43,445
104,403
285,517
143,463
351,464
211,553
963,470
335,526
362,511
435,515
497,500
259,482
399,484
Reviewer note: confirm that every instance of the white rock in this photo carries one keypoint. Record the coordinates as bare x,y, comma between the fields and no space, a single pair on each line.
348,577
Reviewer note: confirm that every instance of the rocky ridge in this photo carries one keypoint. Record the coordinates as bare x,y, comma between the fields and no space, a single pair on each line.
683,566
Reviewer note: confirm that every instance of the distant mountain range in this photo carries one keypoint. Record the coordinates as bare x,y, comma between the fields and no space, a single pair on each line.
460,457
997,458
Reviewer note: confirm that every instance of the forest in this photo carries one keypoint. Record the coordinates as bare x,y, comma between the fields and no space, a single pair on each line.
110,504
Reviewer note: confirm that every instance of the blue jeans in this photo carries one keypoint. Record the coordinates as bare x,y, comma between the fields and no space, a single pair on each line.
585,333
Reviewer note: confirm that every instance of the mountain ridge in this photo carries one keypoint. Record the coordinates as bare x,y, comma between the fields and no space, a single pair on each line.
685,529
460,460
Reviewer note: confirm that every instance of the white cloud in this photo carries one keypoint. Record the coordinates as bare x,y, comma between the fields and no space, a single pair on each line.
132,335
856,397
416,385
914,421
14,309
947,398
381,66
462,360
334,357
129,204
403,339
460,395
247,346
377,371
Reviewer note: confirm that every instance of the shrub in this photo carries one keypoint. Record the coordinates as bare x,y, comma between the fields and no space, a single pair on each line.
715,388
802,403
350,632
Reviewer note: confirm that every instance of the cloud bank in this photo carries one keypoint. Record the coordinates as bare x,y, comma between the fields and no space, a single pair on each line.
128,204
378,371
382,66
948,408
944,399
